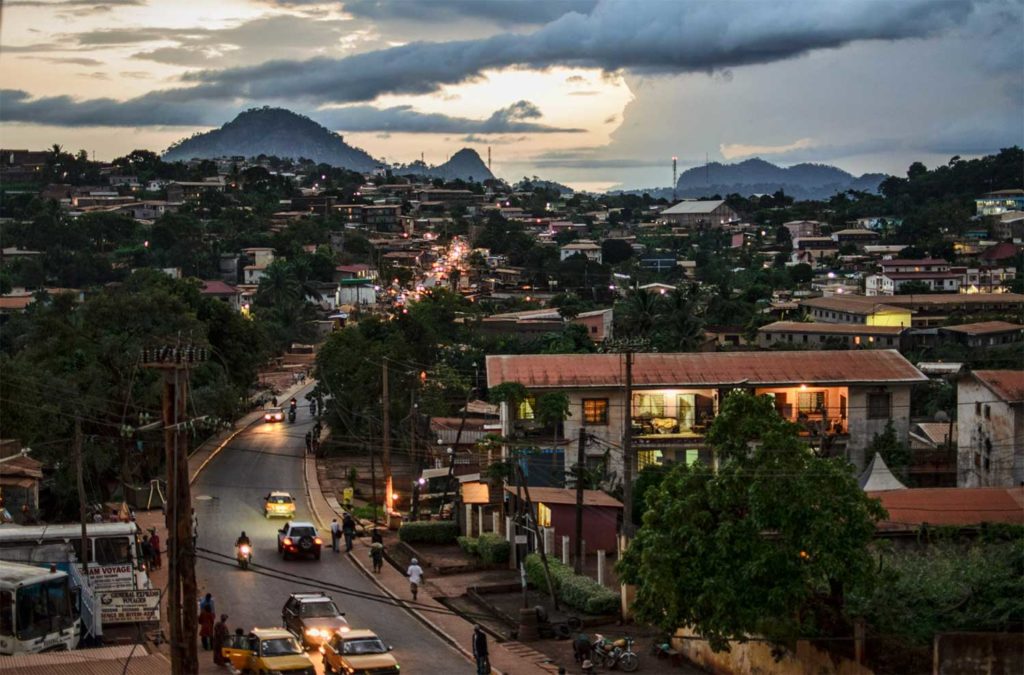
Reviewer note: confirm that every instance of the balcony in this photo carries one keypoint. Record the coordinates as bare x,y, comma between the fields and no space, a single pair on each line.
672,414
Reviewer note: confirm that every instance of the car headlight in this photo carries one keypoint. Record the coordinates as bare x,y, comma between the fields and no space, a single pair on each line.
315,632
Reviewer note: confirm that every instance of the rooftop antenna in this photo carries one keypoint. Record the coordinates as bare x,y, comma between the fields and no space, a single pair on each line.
422,161
675,178
488,158
707,170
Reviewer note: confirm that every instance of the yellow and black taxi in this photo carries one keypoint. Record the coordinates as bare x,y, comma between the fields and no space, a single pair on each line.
358,652
268,650
279,505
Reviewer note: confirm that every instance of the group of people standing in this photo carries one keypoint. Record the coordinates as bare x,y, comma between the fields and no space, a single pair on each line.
213,633
152,554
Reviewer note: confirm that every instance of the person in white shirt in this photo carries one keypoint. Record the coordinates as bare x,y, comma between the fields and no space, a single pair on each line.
335,534
415,574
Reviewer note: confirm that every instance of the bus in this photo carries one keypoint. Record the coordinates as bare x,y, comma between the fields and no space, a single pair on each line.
37,610
113,553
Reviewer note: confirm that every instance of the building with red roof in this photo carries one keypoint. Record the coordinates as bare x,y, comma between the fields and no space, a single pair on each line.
911,509
990,428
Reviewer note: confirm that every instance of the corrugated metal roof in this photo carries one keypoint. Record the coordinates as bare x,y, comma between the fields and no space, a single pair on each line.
538,371
100,661
836,328
1008,385
952,506
553,495
984,327
693,207
852,304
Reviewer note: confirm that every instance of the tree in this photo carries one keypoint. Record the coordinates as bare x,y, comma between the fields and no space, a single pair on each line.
767,545
639,312
552,409
615,251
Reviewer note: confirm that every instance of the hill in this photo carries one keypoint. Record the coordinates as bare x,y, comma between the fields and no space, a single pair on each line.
465,165
273,131
756,176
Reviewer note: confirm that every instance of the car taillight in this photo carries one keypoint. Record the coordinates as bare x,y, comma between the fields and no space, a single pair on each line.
287,541
318,541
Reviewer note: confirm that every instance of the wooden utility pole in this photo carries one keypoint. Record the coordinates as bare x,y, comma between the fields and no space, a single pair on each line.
580,459
174,362
540,537
627,450
385,459
81,495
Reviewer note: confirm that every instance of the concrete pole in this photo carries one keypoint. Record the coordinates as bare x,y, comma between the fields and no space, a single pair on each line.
549,540
496,522
480,513
600,567
565,550
509,534
469,520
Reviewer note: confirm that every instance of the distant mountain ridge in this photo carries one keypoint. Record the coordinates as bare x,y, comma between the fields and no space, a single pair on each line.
757,176
273,131
465,164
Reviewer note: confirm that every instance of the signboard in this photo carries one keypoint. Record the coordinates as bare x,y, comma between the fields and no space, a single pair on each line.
346,495
130,606
521,539
111,577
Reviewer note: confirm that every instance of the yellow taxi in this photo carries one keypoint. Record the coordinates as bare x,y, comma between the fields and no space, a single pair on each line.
279,504
358,651
267,650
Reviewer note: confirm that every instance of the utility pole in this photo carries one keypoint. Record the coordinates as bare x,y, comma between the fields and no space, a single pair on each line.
540,538
385,460
580,459
81,495
175,362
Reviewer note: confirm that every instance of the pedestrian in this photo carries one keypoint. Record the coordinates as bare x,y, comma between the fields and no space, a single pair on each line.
377,556
348,530
376,536
207,603
309,442
335,534
220,633
206,621
195,529
483,664
147,552
154,541
274,401
415,574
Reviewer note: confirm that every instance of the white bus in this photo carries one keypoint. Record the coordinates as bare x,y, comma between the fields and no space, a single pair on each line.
113,553
37,610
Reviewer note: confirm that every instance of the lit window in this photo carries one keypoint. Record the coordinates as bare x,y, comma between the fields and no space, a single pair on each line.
646,458
811,401
526,408
595,411
692,456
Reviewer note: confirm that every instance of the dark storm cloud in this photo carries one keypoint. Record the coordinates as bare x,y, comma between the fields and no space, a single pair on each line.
153,110
644,37
521,12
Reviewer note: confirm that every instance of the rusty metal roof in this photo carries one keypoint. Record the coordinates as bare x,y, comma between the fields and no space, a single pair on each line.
951,506
711,369
554,495
984,327
832,328
1008,385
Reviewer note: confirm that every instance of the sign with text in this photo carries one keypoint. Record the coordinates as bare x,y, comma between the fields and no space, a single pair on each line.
111,577
130,606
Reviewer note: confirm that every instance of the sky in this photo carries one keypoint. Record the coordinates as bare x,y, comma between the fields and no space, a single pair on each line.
597,94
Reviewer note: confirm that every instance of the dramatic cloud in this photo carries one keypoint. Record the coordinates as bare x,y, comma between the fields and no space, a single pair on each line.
740,150
525,12
645,37
18,106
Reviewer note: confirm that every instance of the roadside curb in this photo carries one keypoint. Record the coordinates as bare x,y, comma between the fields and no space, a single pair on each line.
452,642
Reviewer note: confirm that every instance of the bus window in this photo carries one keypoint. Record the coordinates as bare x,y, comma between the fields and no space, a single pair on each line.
112,550
6,613
33,619
76,546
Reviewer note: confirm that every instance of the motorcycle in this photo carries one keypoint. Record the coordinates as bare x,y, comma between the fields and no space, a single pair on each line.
614,654
244,555
291,416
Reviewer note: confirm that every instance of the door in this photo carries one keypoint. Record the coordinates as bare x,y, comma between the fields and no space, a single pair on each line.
238,651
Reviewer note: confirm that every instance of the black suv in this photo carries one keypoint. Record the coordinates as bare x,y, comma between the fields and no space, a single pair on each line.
313,618
299,539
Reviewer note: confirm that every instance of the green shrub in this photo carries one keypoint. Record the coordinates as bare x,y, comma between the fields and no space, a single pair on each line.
429,532
469,545
493,549
577,591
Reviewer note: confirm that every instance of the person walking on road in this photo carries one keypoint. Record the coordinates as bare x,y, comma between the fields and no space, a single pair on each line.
415,574
377,556
220,634
309,442
154,541
335,534
348,529
195,529
207,603
483,664
376,536
206,621
147,552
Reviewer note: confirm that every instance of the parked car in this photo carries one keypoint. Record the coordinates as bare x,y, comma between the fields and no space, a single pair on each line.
299,539
267,650
313,618
279,503
358,651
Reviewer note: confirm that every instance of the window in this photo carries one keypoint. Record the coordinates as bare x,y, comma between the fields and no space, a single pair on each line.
811,401
648,405
988,412
112,550
6,613
543,515
692,456
879,406
977,408
595,411
526,406
647,458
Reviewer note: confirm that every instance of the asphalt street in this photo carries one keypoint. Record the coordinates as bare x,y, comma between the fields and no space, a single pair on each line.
228,498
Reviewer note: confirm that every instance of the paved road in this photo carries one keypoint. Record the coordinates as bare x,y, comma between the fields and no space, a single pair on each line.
228,498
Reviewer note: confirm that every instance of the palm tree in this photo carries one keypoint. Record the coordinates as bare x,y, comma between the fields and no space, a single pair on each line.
681,327
278,286
302,271
640,312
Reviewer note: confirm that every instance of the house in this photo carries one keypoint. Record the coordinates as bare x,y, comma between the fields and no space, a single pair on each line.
694,213
856,236
658,288
999,201
181,191
224,292
990,428
894,274
932,435
534,322
802,228
856,309
816,335
1009,225
355,292
963,508
356,271
19,479
589,249
659,263
1003,252
261,259
841,399
983,333
928,309
555,509
811,250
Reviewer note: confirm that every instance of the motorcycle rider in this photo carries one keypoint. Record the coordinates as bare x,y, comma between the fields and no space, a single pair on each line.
243,540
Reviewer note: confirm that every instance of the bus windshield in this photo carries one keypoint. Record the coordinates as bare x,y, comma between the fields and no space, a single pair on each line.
43,608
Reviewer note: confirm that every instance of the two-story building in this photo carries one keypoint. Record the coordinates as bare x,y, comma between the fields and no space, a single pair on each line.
586,248
819,334
1000,201
841,399
695,213
990,428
